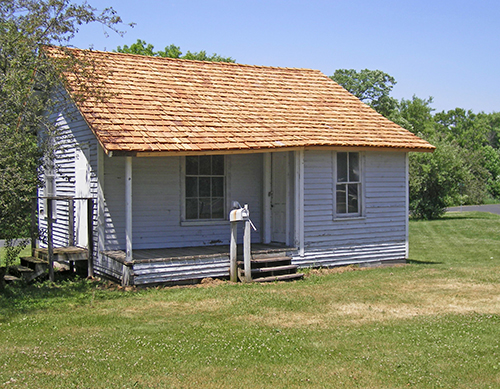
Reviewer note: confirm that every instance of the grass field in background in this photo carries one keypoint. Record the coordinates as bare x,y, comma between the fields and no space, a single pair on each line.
432,323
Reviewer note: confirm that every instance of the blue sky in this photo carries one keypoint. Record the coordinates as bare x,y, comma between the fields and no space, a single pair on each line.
449,50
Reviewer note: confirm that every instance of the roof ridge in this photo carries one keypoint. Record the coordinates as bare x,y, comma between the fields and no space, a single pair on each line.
221,63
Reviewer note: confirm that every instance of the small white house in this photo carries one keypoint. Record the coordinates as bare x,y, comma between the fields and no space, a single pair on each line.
175,142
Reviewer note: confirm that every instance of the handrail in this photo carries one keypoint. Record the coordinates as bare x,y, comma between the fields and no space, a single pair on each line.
71,227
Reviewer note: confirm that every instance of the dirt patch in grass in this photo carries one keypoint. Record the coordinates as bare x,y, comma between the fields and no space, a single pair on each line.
331,270
418,297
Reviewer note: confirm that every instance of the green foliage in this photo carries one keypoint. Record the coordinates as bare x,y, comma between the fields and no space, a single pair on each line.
418,113
372,87
462,126
142,48
27,81
492,164
449,176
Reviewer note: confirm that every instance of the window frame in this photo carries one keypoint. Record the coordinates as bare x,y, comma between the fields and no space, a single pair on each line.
360,184
198,221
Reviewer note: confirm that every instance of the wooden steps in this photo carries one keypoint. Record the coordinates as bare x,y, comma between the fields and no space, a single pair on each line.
65,258
270,268
36,265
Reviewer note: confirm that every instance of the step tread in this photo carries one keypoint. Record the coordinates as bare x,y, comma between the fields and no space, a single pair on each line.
23,269
284,277
275,268
10,278
33,260
267,260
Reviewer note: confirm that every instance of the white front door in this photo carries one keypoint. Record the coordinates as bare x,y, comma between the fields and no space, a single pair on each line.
279,178
82,189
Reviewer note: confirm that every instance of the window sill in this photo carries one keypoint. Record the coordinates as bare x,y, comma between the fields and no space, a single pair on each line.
346,218
194,223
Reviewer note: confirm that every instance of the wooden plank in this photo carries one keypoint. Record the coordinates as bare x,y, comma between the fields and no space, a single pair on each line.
50,239
233,252
247,250
90,226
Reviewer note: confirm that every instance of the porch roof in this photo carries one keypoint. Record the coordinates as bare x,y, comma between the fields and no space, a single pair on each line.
163,106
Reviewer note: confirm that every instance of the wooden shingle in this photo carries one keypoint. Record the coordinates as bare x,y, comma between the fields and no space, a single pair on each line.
163,106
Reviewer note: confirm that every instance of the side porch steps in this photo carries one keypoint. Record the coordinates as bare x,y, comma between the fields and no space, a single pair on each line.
270,268
65,258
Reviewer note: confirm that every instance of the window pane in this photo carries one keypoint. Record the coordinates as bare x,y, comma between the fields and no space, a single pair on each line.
341,167
218,165
191,208
217,186
204,186
204,205
341,205
205,165
191,166
353,199
191,187
353,167
218,208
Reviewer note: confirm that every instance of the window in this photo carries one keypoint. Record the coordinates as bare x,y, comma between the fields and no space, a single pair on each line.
204,187
348,185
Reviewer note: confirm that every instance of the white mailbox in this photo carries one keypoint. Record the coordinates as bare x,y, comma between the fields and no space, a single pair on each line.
239,215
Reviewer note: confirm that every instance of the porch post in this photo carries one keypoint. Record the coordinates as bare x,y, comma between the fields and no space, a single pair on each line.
34,224
267,198
71,222
299,201
50,237
247,252
233,253
128,207
90,233
407,206
128,218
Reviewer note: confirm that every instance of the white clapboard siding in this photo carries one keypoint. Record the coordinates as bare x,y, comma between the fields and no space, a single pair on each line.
157,197
379,234
174,271
72,131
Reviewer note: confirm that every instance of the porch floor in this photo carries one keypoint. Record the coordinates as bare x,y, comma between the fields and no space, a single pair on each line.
187,253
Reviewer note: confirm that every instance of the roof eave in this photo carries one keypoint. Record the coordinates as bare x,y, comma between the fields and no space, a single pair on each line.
131,153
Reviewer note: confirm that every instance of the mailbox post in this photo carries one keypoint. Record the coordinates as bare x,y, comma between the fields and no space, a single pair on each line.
235,216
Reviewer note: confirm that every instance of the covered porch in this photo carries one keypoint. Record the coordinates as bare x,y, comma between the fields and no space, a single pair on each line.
147,233
189,264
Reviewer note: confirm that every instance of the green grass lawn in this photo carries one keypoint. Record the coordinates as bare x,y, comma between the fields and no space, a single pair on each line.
430,324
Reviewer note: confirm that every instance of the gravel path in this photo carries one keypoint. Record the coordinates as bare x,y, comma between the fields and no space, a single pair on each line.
492,208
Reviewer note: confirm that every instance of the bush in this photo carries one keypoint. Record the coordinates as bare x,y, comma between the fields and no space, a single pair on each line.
449,176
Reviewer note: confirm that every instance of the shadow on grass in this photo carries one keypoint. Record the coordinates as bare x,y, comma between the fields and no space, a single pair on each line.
20,298
453,215
417,262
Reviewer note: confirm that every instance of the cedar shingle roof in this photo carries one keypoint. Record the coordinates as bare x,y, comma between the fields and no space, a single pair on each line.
171,106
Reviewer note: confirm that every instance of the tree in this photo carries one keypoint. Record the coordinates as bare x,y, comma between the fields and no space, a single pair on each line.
172,51
462,126
449,176
418,114
370,86
27,80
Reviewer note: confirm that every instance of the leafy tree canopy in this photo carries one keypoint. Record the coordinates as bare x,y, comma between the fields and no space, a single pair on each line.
172,51
372,87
